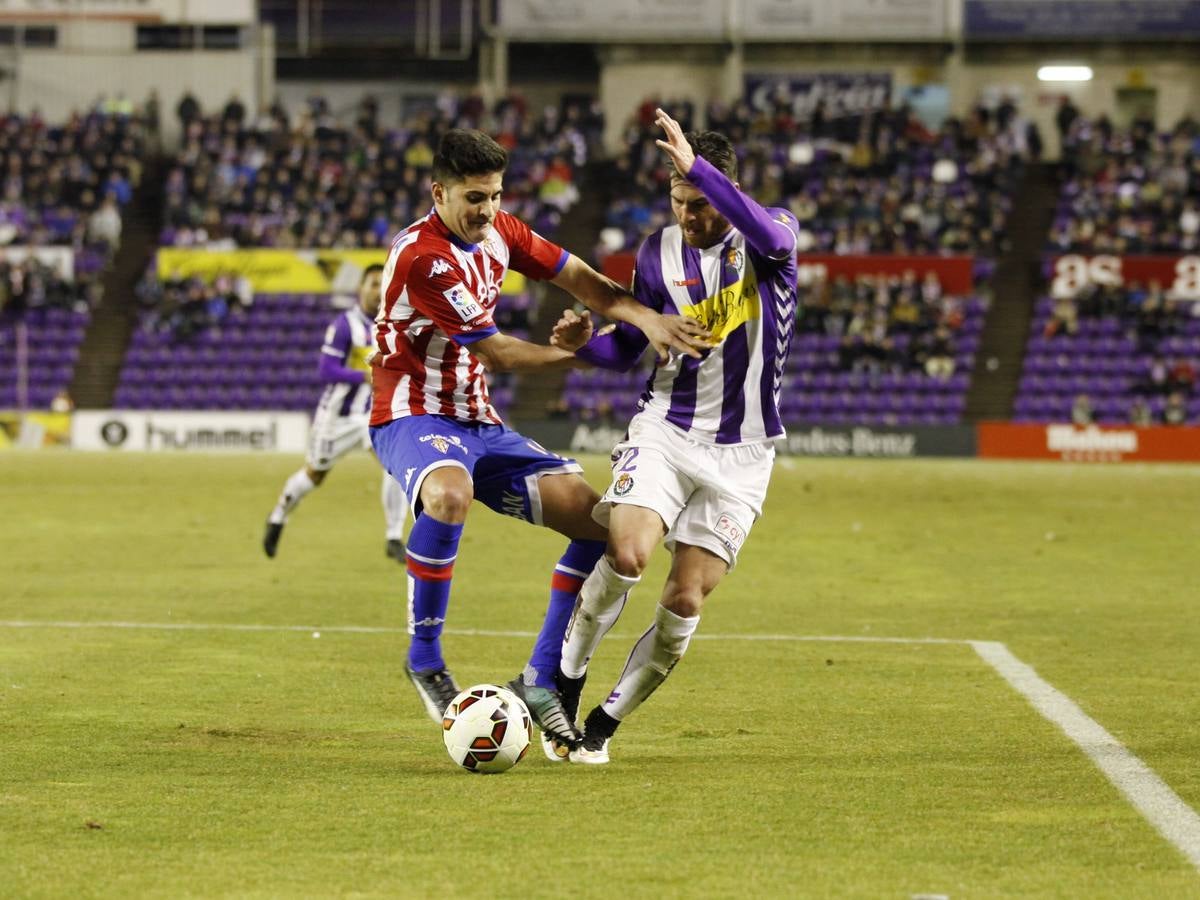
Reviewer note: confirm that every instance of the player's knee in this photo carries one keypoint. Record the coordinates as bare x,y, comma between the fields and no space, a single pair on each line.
316,476
446,502
684,600
629,561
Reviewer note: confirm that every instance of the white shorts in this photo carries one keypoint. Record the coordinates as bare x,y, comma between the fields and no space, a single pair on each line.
332,437
708,495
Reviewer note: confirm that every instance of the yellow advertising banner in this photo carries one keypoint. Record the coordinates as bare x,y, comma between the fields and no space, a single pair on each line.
33,430
272,271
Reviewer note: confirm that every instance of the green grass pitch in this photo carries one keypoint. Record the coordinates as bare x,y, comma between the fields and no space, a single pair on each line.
277,764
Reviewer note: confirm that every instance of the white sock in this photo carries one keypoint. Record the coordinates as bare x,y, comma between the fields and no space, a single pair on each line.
651,661
293,492
395,507
600,602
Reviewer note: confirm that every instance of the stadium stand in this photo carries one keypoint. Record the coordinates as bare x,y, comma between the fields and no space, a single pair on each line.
46,340
1111,353
318,180
1130,190
1129,352
880,351
204,348
873,183
65,184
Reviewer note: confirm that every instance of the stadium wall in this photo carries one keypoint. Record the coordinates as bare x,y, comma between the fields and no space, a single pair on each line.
631,73
1175,80
94,60
396,97
286,432
628,75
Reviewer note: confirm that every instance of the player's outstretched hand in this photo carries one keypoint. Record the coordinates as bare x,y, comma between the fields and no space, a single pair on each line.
680,333
572,330
676,144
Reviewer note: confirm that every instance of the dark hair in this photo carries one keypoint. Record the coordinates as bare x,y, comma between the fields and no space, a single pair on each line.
716,149
462,153
369,270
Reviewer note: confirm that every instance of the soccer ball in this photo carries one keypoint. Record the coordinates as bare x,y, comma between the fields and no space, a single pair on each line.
487,729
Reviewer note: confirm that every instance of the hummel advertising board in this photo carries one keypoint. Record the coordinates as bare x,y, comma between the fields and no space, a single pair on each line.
238,432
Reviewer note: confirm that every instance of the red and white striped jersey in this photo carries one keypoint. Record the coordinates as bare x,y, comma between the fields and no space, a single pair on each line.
439,295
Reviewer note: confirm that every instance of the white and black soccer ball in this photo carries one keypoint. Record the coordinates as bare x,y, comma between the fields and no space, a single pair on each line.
487,729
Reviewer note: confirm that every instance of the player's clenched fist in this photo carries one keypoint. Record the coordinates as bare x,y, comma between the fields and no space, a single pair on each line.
572,330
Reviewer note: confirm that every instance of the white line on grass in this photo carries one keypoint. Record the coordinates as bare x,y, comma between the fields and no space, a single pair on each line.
461,632
1148,793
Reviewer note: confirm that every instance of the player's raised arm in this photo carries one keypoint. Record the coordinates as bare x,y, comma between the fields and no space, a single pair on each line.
774,237
607,298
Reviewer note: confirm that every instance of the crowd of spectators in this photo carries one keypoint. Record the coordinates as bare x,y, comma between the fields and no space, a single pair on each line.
1151,336
891,324
30,284
316,179
65,184
183,307
877,182
1128,190
1146,312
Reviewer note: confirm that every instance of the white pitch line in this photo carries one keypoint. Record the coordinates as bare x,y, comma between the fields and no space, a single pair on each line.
460,632
1149,794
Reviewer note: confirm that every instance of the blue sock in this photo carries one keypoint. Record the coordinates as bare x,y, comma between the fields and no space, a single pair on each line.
432,547
568,578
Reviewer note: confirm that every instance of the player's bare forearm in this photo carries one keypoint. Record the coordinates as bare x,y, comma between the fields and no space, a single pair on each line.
607,298
504,353
599,293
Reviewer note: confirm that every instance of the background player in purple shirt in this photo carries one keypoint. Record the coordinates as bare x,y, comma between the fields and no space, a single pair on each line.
694,466
340,421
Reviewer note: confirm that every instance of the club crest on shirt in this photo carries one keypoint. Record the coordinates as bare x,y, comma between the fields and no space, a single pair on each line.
442,442
734,259
464,304
623,485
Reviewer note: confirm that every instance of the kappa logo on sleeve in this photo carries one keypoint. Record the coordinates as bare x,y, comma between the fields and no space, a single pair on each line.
439,267
464,304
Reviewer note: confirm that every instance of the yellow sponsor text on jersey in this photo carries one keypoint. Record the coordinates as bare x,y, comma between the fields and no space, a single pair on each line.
728,309
358,357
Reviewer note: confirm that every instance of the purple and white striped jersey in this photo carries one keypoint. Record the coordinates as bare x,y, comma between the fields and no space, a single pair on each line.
349,339
740,293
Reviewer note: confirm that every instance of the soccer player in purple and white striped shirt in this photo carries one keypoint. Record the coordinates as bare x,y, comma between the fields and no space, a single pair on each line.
340,421
694,466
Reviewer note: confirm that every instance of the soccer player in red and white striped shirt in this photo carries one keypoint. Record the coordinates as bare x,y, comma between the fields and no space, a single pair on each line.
434,428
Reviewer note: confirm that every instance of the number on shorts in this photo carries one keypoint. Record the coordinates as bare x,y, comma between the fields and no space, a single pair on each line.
627,464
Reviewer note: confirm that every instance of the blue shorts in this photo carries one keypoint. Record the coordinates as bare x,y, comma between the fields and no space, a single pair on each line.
504,467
